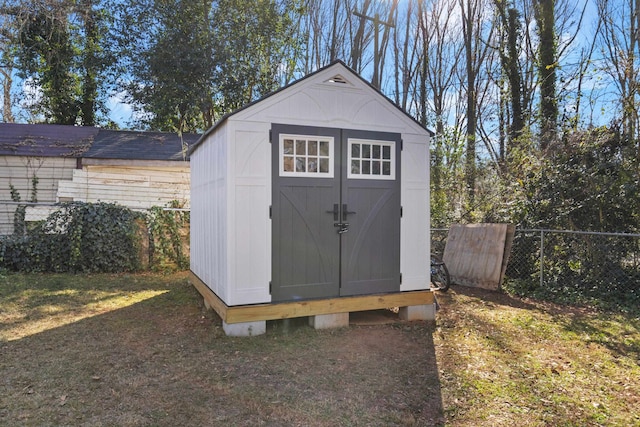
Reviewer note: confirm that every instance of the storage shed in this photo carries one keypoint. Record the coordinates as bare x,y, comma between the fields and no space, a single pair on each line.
313,201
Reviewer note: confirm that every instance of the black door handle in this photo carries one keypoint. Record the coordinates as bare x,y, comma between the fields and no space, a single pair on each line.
346,212
335,211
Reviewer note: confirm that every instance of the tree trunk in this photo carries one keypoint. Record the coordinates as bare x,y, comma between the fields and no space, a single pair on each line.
547,63
90,65
7,81
470,134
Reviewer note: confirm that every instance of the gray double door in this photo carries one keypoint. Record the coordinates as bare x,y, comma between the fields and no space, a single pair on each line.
335,212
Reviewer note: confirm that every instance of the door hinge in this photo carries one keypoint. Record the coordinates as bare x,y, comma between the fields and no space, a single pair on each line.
401,278
401,211
270,286
270,135
270,211
401,144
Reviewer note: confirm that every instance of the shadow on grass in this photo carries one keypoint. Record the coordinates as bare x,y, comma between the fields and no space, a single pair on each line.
619,334
31,303
508,361
616,331
166,361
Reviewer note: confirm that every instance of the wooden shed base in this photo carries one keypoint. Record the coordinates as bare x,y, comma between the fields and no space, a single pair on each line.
288,310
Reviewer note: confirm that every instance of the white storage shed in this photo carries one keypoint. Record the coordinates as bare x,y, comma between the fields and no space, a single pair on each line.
313,201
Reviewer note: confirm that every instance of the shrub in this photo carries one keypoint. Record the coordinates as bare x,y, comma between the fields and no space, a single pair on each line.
78,237
169,237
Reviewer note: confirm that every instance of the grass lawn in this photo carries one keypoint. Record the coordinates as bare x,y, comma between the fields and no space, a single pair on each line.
138,350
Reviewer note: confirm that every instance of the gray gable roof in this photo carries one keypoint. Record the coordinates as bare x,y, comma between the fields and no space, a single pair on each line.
132,145
43,140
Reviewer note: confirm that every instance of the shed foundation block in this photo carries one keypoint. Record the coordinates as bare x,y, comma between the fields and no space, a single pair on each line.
328,321
246,329
418,312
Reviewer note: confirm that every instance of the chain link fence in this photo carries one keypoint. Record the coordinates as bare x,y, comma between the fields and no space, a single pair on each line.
570,266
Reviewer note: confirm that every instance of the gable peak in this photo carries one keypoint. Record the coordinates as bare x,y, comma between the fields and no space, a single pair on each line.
338,79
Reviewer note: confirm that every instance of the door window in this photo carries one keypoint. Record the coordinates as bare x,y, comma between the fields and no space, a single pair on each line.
371,159
306,156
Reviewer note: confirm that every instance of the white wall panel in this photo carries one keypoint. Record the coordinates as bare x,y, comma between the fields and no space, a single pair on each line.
415,240
249,199
209,260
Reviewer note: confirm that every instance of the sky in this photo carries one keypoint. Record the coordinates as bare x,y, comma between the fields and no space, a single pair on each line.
596,83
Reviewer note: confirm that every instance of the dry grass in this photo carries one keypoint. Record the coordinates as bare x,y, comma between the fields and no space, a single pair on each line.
140,350
137,350
506,361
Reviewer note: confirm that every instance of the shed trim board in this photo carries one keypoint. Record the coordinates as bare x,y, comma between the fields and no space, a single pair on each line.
234,202
293,309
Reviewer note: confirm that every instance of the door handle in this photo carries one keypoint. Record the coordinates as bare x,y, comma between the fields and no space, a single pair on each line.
346,212
335,211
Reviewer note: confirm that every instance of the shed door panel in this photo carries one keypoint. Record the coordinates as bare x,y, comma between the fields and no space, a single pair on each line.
372,191
306,262
305,252
312,201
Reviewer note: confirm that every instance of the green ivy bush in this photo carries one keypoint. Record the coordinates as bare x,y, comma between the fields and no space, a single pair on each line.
78,237
169,237
100,237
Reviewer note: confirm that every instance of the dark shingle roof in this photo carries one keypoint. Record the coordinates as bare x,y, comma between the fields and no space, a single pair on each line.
44,140
132,145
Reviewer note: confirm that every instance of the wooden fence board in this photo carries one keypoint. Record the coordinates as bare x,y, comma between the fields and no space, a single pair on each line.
477,254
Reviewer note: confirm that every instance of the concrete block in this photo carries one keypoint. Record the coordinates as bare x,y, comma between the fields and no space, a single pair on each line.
246,329
327,321
418,312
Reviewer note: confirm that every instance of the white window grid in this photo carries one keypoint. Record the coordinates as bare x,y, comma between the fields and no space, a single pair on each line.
371,159
306,156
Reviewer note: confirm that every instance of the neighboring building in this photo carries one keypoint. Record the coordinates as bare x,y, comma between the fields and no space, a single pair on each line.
134,169
309,202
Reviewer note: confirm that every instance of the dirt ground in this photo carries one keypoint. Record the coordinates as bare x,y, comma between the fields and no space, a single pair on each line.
141,350
165,361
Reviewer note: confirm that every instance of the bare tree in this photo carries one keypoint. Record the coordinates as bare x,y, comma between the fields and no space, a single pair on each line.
475,29
409,53
547,65
619,43
509,50
8,37
326,27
